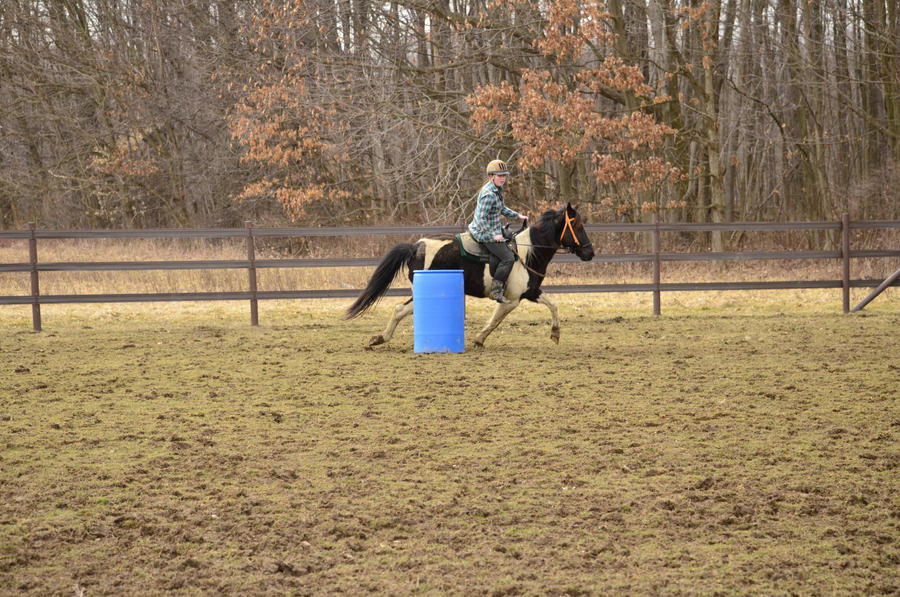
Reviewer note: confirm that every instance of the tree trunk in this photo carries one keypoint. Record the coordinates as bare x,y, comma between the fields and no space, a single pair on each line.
713,150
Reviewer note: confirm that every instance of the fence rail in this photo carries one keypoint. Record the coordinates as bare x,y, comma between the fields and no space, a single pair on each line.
251,264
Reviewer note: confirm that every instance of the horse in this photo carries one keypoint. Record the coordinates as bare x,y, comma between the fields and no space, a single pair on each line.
535,247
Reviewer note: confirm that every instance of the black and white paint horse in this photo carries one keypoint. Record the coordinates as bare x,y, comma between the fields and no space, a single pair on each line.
536,245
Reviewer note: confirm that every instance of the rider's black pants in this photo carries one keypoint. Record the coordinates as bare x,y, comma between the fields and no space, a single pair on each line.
505,257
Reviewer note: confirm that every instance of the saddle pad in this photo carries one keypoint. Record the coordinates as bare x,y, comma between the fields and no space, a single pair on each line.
471,249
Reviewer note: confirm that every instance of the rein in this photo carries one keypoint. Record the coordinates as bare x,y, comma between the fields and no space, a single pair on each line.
568,225
533,271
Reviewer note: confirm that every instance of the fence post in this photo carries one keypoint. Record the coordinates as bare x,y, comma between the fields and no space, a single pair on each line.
251,257
656,297
845,255
35,288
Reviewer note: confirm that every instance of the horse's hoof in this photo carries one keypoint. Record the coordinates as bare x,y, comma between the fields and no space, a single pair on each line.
479,344
376,340
554,335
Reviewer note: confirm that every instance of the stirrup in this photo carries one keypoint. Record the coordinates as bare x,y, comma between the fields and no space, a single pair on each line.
498,292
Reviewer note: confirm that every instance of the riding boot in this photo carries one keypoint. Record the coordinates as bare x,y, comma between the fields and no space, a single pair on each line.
498,290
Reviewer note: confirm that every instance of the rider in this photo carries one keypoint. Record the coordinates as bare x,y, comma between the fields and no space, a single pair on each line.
485,226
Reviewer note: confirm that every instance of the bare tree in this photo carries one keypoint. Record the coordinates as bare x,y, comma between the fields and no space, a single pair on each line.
134,113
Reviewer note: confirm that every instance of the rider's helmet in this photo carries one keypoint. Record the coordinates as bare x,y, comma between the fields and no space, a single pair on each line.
497,167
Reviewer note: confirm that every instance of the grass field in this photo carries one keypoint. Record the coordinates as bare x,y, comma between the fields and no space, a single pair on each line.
739,444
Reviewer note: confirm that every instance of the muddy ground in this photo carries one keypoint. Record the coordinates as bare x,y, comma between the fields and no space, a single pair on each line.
704,454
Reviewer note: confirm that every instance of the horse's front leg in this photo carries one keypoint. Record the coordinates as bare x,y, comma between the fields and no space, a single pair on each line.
401,312
554,316
500,313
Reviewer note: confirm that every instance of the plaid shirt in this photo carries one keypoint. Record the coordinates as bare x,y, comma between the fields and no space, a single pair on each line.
486,223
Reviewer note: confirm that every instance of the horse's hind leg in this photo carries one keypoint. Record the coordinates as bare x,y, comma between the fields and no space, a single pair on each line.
402,311
502,310
554,315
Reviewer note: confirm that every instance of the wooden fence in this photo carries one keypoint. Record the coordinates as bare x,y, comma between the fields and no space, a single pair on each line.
252,264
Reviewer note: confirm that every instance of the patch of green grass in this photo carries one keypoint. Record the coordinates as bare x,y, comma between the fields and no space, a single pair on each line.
704,452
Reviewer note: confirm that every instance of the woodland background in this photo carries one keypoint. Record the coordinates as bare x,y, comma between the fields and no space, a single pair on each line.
152,113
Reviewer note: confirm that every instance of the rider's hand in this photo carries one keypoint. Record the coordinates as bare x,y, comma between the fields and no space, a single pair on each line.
499,238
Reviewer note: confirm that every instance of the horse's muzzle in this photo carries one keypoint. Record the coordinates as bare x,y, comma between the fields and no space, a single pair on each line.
585,252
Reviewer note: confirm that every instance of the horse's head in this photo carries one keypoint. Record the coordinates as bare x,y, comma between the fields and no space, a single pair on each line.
571,234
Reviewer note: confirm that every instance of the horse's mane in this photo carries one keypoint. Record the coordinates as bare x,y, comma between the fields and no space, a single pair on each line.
543,231
546,219
546,224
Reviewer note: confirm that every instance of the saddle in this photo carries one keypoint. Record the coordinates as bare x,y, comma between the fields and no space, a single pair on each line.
472,250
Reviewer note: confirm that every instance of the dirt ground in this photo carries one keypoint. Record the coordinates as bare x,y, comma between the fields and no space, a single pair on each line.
708,453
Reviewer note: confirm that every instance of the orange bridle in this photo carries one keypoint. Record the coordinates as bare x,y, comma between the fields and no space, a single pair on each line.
568,226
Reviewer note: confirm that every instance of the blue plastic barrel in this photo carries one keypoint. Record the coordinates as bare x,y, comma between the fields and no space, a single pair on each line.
439,311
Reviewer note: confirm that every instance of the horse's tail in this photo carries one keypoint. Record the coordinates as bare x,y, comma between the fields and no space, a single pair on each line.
387,270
